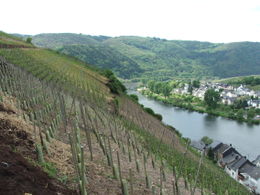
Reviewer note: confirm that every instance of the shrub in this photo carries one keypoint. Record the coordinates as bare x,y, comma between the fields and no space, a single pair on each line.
114,84
134,97
29,40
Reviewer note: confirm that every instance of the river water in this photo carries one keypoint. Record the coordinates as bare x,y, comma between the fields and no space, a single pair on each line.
245,138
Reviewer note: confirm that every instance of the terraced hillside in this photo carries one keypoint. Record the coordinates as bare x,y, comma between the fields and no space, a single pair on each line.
60,120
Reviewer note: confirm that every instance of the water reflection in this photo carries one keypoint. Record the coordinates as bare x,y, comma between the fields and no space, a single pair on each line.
210,121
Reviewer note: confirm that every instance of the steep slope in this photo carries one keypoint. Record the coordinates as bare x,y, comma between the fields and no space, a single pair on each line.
97,141
8,41
163,59
104,57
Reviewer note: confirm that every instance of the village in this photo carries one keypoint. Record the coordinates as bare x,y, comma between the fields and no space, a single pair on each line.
235,165
228,93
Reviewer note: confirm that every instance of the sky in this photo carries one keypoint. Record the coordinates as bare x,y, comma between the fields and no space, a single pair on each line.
202,20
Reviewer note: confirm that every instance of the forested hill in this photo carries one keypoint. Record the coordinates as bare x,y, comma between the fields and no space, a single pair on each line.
154,58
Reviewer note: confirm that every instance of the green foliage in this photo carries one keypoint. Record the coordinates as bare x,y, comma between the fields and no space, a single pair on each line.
206,140
39,153
240,114
251,113
151,112
249,80
158,116
134,97
114,84
211,154
166,90
211,98
49,168
240,103
29,40
158,59
190,88
104,57
196,84
160,87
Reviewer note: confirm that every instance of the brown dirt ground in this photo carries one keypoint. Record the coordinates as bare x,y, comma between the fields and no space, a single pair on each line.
17,174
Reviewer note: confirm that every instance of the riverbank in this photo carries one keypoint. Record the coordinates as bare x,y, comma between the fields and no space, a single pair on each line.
192,103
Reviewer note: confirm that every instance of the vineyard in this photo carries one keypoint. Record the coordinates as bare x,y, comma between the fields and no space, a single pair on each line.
90,140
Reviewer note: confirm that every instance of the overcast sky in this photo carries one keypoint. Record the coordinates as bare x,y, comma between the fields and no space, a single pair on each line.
203,20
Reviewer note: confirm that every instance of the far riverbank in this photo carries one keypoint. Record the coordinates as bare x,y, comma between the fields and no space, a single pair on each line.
195,104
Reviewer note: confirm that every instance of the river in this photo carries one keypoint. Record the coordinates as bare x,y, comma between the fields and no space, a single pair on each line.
245,138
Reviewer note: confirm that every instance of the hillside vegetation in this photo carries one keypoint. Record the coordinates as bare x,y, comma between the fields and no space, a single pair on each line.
158,59
252,82
61,121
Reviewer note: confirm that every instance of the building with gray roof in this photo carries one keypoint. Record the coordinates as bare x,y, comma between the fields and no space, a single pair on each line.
257,161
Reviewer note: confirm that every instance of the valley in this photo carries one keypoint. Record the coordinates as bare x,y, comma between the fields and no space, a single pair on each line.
87,135
147,58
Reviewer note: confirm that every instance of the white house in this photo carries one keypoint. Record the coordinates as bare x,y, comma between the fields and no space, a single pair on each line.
254,103
250,177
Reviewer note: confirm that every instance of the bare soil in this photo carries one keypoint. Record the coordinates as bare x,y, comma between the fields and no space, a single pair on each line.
18,175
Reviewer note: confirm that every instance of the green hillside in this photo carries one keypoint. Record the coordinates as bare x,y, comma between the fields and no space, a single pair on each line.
60,121
158,59
10,41
105,57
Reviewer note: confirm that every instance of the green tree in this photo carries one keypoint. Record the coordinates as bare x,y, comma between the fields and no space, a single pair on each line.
166,90
151,85
114,84
240,103
210,154
240,114
196,83
211,98
29,40
190,89
158,87
134,97
206,140
250,114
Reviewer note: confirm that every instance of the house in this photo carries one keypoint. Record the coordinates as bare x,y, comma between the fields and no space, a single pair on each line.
257,161
237,166
218,152
198,145
257,117
225,150
230,159
255,103
215,145
199,92
228,100
250,177
233,168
